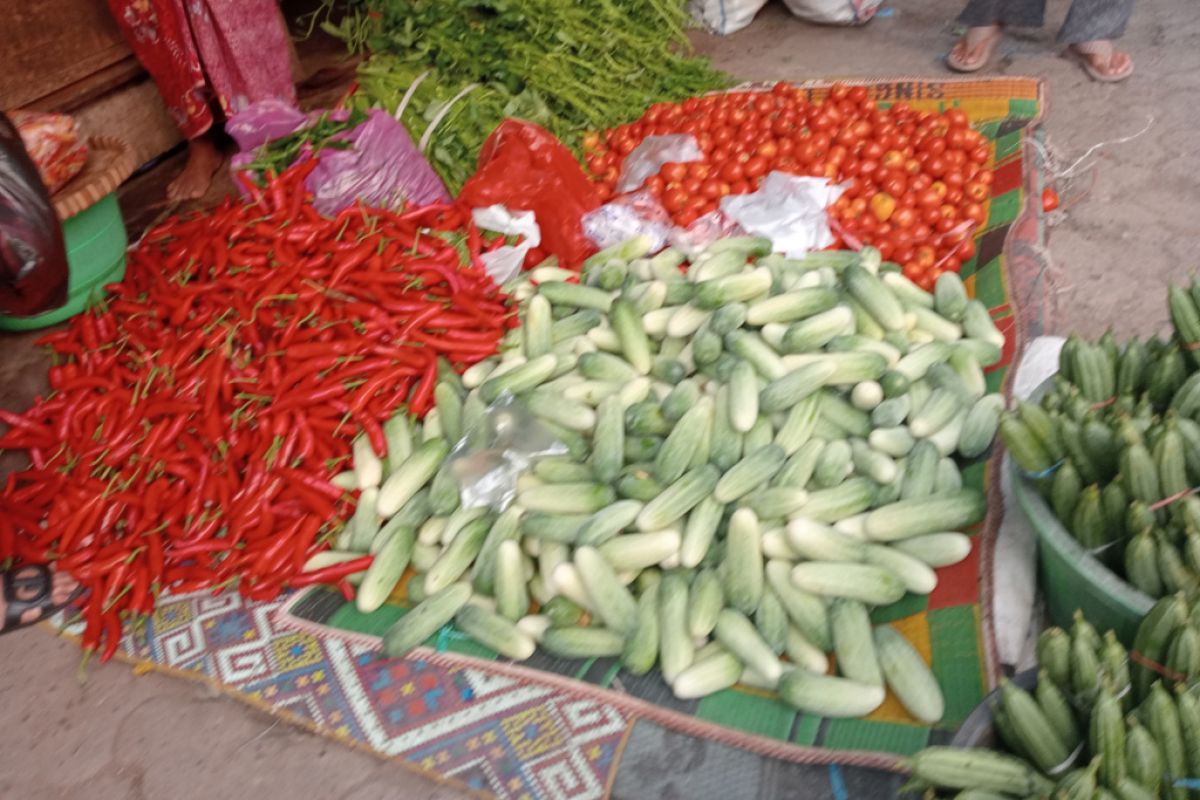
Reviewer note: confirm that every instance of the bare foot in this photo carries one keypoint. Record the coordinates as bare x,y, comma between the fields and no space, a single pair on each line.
202,162
27,586
1103,61
973,50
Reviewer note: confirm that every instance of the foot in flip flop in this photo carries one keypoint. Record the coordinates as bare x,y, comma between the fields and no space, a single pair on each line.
974,50
32,593
1102,61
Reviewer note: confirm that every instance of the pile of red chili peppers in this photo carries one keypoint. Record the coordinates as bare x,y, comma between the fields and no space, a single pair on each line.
196,417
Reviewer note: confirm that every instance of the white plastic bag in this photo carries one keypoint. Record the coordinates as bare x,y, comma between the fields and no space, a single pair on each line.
787,209
834,12
725,16
505,262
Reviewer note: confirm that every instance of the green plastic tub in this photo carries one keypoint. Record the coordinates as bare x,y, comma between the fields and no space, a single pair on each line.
1070,577
96,242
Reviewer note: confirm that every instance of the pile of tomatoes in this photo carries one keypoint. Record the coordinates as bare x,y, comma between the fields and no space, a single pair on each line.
916,181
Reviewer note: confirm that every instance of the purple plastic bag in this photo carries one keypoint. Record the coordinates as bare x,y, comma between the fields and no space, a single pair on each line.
384,169
263,121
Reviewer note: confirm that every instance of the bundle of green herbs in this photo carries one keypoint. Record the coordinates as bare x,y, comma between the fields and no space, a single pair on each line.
465,65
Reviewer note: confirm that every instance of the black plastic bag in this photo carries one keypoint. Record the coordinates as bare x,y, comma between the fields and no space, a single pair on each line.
33,258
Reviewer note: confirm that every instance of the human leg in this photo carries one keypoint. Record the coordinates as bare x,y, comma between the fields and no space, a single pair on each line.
985,21
159,35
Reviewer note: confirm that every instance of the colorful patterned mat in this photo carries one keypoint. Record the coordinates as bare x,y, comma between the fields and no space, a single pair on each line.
552,728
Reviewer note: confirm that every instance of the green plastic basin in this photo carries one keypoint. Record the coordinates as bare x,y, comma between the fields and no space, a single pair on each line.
96,242
1070,577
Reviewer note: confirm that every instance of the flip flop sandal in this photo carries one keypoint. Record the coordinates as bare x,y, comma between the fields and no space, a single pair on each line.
33,578
989,47
1104,49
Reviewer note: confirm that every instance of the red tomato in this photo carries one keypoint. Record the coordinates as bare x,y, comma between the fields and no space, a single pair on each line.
924,257
980,155
732,171
610,175
699,169
768,149
711,188
930,215
894,183
756,167
985,176
956,139
691,186
684,219
838,91
928,198
921,232
719,156
892,159
1049,200
722,135
966,249
597,165
786,147
674,171
956,118
868,166
741,187
954,195
904,217
936,166
655,185
953,178
935,146
674,199
738,116
912,166
973,212
976,191
886,249
952,264
781,89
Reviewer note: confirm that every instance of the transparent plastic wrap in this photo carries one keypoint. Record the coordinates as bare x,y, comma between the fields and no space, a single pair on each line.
637,214
33,258
490,457
650,156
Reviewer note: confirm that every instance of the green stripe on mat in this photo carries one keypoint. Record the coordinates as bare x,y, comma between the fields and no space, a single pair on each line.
1005,207
807,728
989,283
752,713
953,639
886,737
1008,144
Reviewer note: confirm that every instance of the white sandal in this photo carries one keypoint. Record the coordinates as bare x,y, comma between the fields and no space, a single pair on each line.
1085,52
989,47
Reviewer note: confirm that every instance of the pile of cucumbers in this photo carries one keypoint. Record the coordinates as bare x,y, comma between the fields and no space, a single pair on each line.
1103,723
758,452
1114,447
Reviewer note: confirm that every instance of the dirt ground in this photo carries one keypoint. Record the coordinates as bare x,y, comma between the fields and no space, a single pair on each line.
1124,235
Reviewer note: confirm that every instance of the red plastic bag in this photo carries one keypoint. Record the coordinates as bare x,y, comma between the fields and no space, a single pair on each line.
524,168
33,259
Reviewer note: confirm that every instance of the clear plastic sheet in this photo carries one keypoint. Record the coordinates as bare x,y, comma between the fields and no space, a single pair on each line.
650,156
487,462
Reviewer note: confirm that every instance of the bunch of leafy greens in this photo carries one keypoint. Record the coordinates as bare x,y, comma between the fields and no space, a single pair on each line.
568,65
279,154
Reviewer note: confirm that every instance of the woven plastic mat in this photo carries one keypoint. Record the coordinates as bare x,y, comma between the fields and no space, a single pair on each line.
555,728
